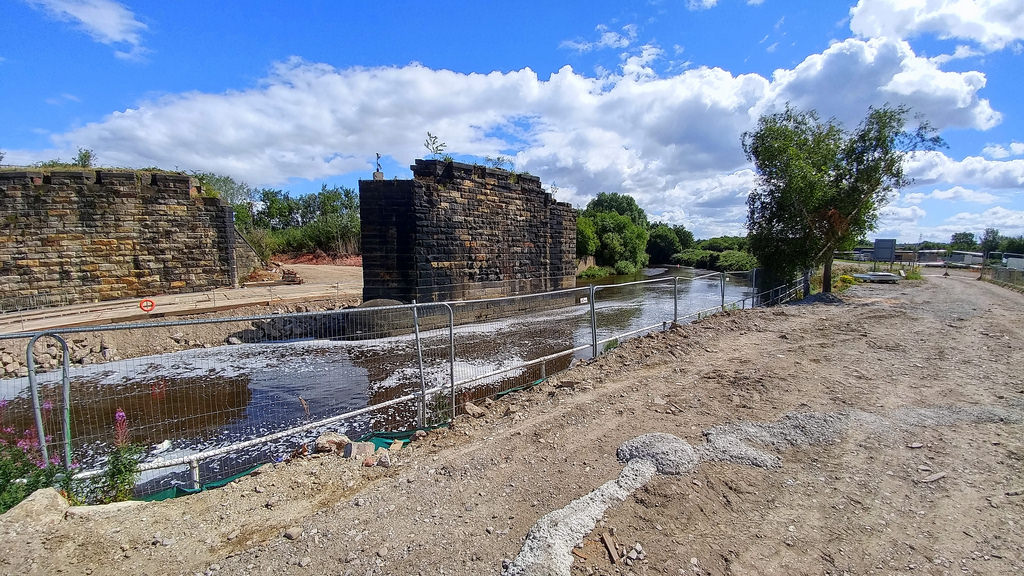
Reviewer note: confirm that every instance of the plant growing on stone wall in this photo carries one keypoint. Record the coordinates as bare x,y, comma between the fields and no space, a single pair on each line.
436,148
85,158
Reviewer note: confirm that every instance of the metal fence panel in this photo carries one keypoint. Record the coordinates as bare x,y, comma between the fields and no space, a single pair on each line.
209,399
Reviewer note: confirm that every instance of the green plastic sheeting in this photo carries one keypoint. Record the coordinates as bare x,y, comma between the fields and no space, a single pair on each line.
386,439
181,491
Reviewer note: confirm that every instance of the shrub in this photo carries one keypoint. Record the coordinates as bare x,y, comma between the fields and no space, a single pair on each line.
732,260
596,272
625,268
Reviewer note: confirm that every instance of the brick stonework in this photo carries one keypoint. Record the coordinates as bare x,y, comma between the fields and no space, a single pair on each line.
101,235
457,231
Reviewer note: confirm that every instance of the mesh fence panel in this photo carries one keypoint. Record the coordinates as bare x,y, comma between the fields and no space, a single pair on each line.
209,399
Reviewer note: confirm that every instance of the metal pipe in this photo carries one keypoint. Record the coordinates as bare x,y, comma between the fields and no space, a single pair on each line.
675,299
721,281
593,321
34,388
66,378
419,356
451,352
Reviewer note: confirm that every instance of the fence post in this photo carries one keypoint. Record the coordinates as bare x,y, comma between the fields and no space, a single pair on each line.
721,282
419,356
66,381
675,299
451,353
34,389
593,322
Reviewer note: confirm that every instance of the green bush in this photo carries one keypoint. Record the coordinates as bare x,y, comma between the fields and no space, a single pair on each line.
20,475
596,272
732,260
625,268
696,258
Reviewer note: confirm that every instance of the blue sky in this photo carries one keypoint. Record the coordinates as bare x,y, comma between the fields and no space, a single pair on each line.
647,98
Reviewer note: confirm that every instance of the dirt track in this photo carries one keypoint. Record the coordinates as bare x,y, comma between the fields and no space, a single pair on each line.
905,457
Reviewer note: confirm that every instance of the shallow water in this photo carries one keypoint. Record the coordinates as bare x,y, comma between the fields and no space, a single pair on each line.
182,403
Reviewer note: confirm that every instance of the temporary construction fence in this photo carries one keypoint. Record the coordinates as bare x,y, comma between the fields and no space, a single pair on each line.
1004,275
211,398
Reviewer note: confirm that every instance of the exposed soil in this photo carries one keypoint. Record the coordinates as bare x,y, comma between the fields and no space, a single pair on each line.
321,258
878,435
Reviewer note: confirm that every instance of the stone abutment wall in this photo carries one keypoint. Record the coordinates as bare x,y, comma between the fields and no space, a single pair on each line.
101,235
457,231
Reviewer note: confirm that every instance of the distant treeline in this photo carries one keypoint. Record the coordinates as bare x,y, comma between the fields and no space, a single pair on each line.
615,231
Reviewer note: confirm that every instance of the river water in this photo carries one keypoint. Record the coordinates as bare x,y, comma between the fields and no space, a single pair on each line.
182,403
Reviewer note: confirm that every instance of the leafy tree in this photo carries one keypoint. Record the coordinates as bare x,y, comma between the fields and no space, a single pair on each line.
586,237
1012,245
963,241
929,245
620,240
226,188
621,229
821,186
662,244
2,156
990,240
620,204
685,236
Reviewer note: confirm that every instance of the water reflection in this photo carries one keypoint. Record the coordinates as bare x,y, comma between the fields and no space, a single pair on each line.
185,402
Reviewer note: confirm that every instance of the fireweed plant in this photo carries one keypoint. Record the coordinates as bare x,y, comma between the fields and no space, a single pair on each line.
123,464
22,469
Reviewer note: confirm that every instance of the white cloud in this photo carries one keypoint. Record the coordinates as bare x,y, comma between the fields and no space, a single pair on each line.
700,4
993,24
606,39
107,21
936,167
670,140
998,151
1009,222
960,53
898,216
880,71
956,193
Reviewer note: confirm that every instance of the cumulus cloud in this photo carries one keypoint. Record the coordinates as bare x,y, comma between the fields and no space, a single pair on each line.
998,151
936,167
106,21
898,216
878,71
670,140
993,24
1009,222
955,193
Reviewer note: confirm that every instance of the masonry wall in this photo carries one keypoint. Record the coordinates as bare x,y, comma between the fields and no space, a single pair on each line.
457,231
101,235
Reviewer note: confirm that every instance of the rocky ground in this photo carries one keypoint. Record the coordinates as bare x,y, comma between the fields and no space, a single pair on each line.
879,435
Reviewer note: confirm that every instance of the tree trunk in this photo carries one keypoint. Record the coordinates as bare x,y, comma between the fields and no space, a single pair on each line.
826,274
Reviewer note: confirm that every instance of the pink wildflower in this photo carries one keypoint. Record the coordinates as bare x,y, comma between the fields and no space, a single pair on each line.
121,435
47,406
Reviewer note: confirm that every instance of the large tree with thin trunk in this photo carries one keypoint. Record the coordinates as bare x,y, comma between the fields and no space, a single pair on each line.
821,186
